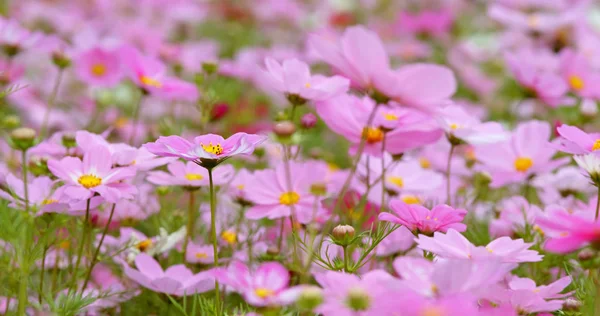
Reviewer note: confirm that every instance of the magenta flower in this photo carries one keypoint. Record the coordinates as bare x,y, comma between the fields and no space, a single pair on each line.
460,124
435,23
190,174
525,296
94,174
579,74
515,214
575,141
526,153
568,232
421,220
176,280
197,253
272,198
99,67
293,78
265,286
208,149
454,245
40,192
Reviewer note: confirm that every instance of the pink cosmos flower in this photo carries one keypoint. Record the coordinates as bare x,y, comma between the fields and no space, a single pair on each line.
575,141
458,123
265,286
421,220
454,245
579,74
435,23
272,198
207,148
94,174
40,192
525,296
197,253
150,75
176,280
190,174
515,214
99,67
17,38
293,78
568,232
526,153
351,119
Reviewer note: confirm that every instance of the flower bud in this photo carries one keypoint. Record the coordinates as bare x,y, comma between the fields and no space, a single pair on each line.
572,304
586,254
295,99
23,138
61,60
218,111
358,299
11,50
11,121
284,129
272,251
310,298
68,140
343,235
309,120
210,68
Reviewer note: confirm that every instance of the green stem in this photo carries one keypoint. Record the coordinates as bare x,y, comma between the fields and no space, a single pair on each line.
346,252
597,300
448,174
597,204
213,228
280,241
288,179
42,273
136,117
51,101
55,274
382,206
190,223
25,184
81,246
24,277
97,252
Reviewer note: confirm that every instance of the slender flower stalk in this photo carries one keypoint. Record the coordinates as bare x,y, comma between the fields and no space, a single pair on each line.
597,204
81,246
213,231
448,174
97,252
346,256
51,101
383,169
136,117
42,273
27,242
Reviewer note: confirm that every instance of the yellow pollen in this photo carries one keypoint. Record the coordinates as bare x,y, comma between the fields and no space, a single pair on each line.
425,163
144,245
263,292
522,164
289,198
398,181
49,201
307,85
229,236
538,229
470,153
533,20
372,135
564,234
410,199
454,126
201,255
240,186
121,122
489,250
576,82
428,217
432,311
434,289
149,81
390,117
98,70
596,145
193,176
213,149
332,167
89,181
65,244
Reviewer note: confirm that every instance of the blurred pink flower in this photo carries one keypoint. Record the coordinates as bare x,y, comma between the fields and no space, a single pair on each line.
190,174
575,141
458,123
99,67
568,232
421,220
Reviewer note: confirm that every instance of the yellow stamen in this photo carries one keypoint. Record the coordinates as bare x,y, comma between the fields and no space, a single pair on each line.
263,292
576,83
454,126
193,176
240,186
372,134
390,117
533,20
398,181
596,145
522,164
432,311
229,236
425,163
49,201
538,229
410,199
489,250
201,255
213,149
144,245
289,198
65,244
149,81
98,70
89,181
121,122
307,85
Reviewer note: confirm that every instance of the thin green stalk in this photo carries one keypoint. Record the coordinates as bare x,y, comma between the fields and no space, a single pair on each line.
382,205
81,246
597,300
55,274
25,184
280,240
191,220
213,228
136,117
97,252
346,255
45,251
448,174
288,179
597,204
51,101
24,277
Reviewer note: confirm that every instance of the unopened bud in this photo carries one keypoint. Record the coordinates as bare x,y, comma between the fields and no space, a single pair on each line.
61,60
23,138
210,68
11,50
272,251
284,129
11,121
343,235
586,254
572,304
358,299
309,120
295,99
589,108
68,140
310,298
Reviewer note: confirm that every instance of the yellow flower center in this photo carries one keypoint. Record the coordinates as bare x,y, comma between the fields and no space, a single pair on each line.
89,181
229,236
533,20
149,81
410,199
398,181
390,117
240,186
470,154
98,70
121,122
289,198
49,201
538,229
522,164
596,145
425,163
372,134
144,245
576,82
213,149
307,85
432,311
193,176
201,255
65,244
263,292
454,126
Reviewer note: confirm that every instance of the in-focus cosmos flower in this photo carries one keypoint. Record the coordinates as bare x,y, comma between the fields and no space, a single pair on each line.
418,218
